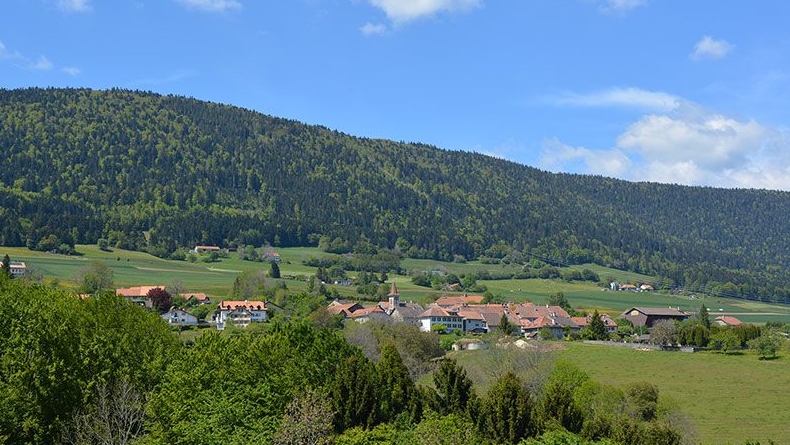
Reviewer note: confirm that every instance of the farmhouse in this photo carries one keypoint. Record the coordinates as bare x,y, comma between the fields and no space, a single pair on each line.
197,297
582,322
438,316
649,316
239,313
451,301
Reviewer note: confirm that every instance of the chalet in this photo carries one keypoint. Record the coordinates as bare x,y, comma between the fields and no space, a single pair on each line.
239,313
725,320
138,294
179,317
649,316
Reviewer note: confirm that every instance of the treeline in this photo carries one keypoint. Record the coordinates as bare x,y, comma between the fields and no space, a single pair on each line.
100,370
160,173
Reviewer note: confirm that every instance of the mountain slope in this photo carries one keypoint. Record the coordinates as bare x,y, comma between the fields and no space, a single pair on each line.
161,172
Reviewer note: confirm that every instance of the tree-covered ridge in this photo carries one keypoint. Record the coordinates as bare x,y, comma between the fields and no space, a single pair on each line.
156,172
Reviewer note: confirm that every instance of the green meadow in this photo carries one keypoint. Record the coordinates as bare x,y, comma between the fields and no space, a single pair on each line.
730,398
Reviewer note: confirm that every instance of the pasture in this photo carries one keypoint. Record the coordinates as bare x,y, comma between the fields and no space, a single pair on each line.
730,398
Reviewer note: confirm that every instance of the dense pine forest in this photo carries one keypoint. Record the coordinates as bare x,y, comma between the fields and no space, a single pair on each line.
162,173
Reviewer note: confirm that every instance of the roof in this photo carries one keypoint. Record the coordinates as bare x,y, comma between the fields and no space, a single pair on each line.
437,311
393,290
459,300
252,305
207,248
199,296
731,321
137,291
339,308
660,311
365,311
531,310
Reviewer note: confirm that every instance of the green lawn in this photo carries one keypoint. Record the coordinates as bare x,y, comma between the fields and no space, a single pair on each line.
731,399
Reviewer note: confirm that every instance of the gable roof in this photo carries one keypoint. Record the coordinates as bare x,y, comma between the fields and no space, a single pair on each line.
246,305
657,311
730,321
137,291
197,296
459,300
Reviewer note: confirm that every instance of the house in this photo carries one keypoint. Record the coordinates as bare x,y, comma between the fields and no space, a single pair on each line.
437,315
239,313
649,316
343,308
17,268
206,249
582,322
179,317
646,288
532,318
452,301
725,320
138,294
628,287
272,257
197,298
369,313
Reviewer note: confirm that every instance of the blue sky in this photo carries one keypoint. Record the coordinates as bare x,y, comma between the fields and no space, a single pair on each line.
676,91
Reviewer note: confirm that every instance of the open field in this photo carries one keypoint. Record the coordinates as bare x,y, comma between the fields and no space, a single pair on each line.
216,279
731,399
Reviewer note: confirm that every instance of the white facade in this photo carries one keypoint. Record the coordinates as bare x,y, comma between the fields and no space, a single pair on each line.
179,317
240,313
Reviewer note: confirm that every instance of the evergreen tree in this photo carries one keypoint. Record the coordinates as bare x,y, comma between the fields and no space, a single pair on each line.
598,327
703,316
397,388
454,388
6,269
355,395
275,270
505,413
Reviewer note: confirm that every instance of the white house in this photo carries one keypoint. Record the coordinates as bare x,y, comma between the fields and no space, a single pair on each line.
240,313
17,268
179,317
436,315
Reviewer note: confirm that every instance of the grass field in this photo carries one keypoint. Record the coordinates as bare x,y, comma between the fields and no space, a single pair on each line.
731,399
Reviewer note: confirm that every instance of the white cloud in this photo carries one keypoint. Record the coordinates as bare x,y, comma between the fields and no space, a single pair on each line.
370,29
622,97
71,71
709,48
688,145
74,5
400,11
22,61
619,6
42,63
558,156
211,5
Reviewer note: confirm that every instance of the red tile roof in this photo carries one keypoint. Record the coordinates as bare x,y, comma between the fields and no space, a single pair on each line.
459,300
247,305
138,291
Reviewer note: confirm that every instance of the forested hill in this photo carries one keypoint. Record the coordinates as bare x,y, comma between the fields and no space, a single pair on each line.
161,172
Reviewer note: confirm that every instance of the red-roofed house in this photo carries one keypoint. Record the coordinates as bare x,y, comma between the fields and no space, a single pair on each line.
240,313
725,320
459,300
611,325
137,294
197,297
344,309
